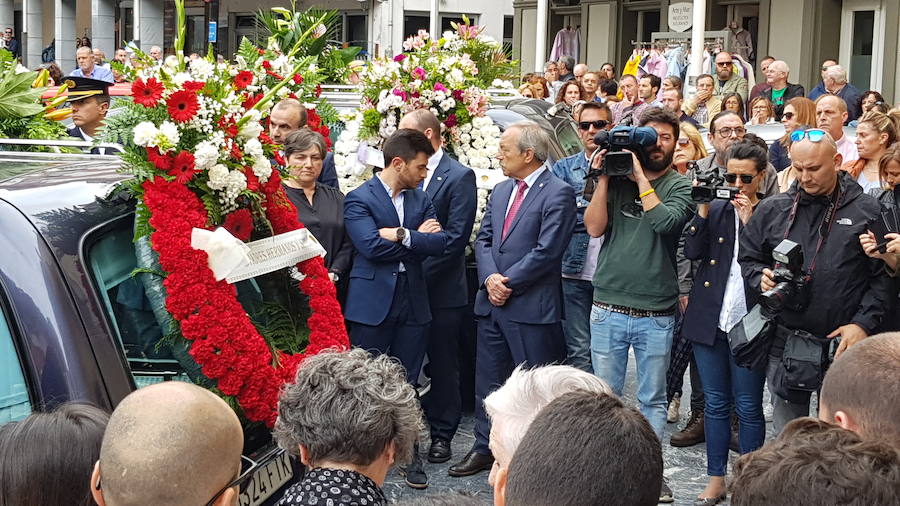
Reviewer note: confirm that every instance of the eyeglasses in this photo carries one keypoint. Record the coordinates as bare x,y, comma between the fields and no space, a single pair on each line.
788,115
249,467
600,124
683,141
745,178
813,134
724,63
727,131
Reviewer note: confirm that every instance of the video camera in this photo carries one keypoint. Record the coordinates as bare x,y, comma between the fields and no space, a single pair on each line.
791,288
712,186
619,143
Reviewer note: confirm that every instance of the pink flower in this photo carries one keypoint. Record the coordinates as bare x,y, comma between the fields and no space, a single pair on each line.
457,94
419,73
402,94
438,86
400,57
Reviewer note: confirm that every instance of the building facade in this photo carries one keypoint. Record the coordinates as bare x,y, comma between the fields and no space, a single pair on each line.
378,26
861,34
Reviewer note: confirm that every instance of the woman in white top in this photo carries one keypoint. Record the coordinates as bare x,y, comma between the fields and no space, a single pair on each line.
874,134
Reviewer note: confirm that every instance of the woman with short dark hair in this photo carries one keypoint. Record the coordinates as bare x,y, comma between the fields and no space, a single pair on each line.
319,207
349,416
47,458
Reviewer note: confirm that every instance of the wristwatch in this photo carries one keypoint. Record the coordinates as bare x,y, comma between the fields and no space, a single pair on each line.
401,234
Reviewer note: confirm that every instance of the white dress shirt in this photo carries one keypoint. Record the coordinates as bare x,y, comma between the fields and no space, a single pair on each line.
847,149
433,162
734,304
529,180
398,206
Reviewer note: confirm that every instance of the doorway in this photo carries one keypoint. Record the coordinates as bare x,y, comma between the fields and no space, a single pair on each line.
862,31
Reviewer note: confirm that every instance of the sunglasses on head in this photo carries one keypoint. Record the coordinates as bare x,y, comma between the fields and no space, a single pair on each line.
600,124
745,178
813,134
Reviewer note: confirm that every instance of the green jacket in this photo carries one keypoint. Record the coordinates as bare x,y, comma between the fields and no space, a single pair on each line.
736,84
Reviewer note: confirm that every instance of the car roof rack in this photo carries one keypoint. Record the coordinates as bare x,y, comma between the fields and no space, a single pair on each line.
55,154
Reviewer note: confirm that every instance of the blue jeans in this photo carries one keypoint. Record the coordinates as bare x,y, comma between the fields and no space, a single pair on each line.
578,297
726,385
651,337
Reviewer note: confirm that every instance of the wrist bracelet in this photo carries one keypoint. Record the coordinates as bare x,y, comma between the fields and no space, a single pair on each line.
648,192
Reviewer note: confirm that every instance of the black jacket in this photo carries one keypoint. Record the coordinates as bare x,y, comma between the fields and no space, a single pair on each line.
793,90
847,286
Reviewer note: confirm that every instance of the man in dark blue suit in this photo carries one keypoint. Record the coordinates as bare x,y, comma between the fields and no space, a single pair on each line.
451,186
519,249
89,99
393,227
287,117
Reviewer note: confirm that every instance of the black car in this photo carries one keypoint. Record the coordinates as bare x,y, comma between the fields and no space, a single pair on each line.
72,329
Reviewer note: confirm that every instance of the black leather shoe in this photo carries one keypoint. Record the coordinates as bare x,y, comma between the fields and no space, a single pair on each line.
439,451
472,463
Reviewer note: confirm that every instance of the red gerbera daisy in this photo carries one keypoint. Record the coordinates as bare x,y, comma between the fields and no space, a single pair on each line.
243,79
251,100
182,106
194,86
239,223
161,161
183,167
147,94
298,79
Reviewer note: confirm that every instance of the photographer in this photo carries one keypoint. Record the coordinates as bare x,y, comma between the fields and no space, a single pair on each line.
635,285
831,290
719,299
725,129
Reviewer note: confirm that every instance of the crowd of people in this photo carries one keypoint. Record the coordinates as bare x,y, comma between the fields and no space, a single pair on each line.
574,266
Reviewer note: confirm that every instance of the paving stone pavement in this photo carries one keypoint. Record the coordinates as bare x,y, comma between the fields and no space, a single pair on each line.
685,468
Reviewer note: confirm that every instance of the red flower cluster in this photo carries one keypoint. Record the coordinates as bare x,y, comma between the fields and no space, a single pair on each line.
147,94
315,123
243,79
182,106
224,341
240,224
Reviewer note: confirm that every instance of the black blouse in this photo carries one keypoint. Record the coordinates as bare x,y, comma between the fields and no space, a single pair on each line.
325,219
333,487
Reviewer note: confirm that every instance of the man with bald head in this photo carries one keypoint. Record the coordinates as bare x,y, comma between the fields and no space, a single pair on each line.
579,71
860,390
287,117
171,443
780,90
847,292
831,115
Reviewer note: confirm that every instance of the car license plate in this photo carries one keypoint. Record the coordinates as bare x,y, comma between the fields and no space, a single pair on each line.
267,480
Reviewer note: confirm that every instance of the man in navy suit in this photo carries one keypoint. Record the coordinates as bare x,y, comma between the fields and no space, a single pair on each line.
393,227
451,186
519,249
287,117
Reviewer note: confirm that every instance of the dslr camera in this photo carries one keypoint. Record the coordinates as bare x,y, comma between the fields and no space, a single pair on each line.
619,143
791,288
711,187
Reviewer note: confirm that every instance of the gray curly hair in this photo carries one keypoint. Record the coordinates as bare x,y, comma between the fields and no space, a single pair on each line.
348,407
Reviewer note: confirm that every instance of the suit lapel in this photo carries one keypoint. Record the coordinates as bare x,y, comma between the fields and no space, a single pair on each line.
530,197
439,176
382,199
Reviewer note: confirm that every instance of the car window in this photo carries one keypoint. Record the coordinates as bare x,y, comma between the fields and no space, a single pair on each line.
112,261
568,139
14,403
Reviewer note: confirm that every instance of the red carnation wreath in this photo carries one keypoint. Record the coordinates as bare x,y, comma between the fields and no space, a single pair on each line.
224,342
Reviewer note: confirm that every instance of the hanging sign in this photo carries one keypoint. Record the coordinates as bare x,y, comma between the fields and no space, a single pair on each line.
681,16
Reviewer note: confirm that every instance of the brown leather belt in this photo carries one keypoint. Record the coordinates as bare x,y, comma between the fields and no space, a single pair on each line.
635,313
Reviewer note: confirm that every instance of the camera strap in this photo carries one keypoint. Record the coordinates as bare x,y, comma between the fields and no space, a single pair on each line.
827,220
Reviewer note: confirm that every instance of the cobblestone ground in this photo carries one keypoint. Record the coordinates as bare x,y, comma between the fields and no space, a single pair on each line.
685,468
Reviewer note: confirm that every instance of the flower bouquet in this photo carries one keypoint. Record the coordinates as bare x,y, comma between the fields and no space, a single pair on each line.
200,160
449,76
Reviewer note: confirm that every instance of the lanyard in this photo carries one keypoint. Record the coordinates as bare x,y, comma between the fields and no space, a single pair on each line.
827,221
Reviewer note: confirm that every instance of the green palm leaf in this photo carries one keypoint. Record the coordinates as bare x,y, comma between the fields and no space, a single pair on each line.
17,98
